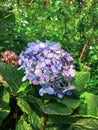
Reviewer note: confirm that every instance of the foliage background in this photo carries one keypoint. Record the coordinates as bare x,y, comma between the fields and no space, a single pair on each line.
72,23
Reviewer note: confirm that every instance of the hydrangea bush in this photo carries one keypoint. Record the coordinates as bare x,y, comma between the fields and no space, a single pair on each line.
10,57
50,69
48,65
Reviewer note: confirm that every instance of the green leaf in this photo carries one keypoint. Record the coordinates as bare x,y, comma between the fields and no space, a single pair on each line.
81,79
24,105
89,104
54,108
12,76
6,97
23,125
29,122
87,123
29,119
23,87
1,48
69,102
75,121
4,106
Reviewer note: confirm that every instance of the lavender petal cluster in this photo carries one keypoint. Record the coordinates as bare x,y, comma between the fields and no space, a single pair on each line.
48,65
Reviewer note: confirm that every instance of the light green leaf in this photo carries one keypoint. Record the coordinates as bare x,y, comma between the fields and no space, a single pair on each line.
23,87
88,123
24,105
89,104
23,125
81,79
30,119
29,122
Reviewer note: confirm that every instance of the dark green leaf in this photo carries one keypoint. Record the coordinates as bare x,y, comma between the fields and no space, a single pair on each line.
4,106
75,121
54,108
12,76
69,102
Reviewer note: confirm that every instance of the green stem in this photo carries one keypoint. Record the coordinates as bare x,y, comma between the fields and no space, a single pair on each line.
43,122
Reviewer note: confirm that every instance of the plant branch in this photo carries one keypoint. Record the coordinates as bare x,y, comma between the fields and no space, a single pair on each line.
84,49
43,122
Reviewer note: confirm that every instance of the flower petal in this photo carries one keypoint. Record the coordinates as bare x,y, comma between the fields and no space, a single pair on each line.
24,78
60,95
38,72
49,90
69,92
41,92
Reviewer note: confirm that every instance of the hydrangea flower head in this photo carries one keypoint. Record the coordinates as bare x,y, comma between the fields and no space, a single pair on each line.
10,58
48,65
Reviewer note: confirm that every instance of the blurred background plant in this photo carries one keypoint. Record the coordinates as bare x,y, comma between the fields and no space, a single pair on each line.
9,57
72,23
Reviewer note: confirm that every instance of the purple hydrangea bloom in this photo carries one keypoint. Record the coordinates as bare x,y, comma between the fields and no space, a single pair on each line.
48,65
